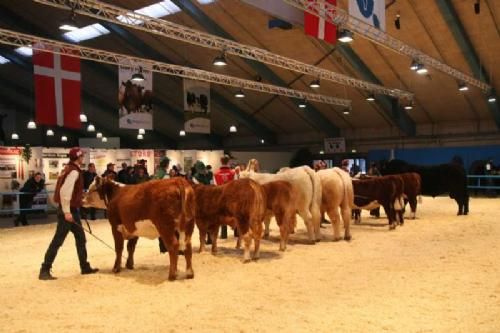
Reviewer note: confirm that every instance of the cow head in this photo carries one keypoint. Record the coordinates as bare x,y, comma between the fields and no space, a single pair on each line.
95,196
253,165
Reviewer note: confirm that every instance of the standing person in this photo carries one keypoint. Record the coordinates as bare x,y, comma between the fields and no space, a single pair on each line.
223,176
210,174
373,170
345,165
162,168
68,194
140,176
200,175
110,171
32,186
122,174
88,178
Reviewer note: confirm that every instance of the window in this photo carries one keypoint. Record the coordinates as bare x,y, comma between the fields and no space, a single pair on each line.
3,60
25,51
85,33
156,10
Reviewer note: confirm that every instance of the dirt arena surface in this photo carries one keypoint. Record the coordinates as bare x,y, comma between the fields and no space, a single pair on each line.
439,273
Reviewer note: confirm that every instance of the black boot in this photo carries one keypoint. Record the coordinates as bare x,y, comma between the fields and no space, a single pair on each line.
89,270
45,274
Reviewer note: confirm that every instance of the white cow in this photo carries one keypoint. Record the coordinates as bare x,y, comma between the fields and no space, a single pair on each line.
307,187
337,192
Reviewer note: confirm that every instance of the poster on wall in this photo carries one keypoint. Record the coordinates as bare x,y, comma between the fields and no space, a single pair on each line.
371,12
135,96
334,145
144,155
196,106
159,154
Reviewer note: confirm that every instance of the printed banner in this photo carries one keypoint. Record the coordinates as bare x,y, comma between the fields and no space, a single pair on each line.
196,106
135,97
371,12
334,145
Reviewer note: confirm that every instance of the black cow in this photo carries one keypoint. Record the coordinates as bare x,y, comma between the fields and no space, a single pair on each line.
437,179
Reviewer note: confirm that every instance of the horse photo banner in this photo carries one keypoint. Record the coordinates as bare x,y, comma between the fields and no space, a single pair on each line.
196,106
334,145
135,97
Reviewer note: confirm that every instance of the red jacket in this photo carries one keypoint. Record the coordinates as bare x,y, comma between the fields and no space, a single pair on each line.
224,175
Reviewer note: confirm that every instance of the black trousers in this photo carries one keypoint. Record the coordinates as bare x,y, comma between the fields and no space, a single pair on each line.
25,202
62,230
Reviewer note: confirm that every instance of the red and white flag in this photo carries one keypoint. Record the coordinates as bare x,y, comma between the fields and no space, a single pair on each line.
57,89
317,27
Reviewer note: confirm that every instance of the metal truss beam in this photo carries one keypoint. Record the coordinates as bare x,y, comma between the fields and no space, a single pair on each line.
340,17
124,17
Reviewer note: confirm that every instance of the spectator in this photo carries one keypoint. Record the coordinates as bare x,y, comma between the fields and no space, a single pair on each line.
32,186
161,173
110,171
222,176
345,165
373,170
130,175
122,174
88,178
210,174
140,176
142,163
200,173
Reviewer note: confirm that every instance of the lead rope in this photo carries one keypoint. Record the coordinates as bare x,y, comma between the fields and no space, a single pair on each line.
99,239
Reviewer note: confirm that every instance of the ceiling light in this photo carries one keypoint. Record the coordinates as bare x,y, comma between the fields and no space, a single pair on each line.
98,135
239,94
492,98
345,36
314,84
346,111
138,77
14,136
182,133
31,125
353,150
69,24
142,131
370,98
321,152
462,87
233,129
409,106
414,65
83,118
64,138
262,141
90,128
140,136
421,69
104,139
303,104
50,132
220,60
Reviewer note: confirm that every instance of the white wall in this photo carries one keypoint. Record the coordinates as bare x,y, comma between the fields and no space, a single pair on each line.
268,161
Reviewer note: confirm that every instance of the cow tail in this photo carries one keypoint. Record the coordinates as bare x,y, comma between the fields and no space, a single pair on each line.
315,205
348,187
182,223
259,207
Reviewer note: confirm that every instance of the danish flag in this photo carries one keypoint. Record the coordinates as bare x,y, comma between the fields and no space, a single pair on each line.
317,27
57,89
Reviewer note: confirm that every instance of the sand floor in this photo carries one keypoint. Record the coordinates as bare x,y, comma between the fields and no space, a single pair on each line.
439,273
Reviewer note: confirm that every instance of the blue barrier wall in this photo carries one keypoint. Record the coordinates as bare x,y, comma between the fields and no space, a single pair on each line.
429,156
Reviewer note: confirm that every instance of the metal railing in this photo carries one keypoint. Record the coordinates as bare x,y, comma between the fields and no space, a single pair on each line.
485,184
14,206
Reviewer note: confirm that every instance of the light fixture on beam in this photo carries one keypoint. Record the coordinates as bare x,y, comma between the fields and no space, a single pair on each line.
321,152
314,84
220,60
354,151
69,24
98,135
409,105
138,77
303,104
182,133
91,128
50,132
346,112
421,69
233,129
492,98
262,141
345,36
414,65
14,136
397,21
142,131
239,94
140,136
370,98
462,87
31,125
83,118
64,138
104,139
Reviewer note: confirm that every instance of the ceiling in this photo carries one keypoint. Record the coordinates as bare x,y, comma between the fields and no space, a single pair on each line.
423,26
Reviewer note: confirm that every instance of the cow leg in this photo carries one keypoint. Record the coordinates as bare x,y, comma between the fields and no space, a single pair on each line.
131,243
257,233
203,235
307,217
460,206
247,241
389,211
188,255
413,206
466,204
267,222
172,245
316,222
118,238
346,217
283,223
292,223
214,232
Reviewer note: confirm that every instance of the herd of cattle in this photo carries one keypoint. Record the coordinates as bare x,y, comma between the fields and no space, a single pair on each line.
169,209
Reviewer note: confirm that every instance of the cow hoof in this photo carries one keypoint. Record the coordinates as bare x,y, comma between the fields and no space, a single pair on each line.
116,269
255,259
337,239
171,278
130,266
190,276
266,236
246,261
318,240
347,238
392,226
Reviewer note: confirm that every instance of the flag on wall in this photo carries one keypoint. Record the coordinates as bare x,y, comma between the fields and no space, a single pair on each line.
135,97
371,12
317,27
57,89
196,106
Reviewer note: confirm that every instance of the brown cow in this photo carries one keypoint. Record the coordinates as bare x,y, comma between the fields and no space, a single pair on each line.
152,209
385,191
239,204
280,202
412,189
